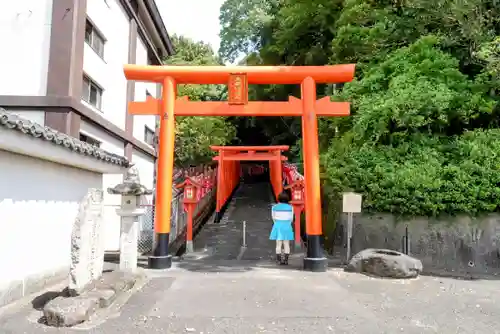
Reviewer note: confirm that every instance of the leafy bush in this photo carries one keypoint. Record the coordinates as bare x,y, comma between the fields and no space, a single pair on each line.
428,176
417,89
412,147
194,135
414,143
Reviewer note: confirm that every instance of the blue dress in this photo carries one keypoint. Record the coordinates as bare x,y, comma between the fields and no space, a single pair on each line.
283,217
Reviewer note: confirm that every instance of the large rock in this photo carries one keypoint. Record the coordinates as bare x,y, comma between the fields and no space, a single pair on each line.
461,246
68,312
385,263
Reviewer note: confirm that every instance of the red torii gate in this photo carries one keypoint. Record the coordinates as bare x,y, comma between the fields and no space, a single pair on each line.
238,78
229,169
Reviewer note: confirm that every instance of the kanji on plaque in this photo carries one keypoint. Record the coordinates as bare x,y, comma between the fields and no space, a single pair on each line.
238,89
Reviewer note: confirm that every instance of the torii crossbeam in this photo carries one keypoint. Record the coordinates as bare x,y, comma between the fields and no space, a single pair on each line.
238,78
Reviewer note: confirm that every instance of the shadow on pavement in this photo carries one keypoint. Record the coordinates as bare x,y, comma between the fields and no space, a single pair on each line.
217,267
208,265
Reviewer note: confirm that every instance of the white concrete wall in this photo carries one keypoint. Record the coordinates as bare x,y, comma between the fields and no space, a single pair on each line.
111,202
38,206
25,35
140,93
113,23
145,165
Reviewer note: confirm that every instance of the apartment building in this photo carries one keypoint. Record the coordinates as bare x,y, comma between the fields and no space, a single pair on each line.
61,66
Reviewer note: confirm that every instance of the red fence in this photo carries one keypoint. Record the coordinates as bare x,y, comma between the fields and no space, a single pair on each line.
291,173
207,178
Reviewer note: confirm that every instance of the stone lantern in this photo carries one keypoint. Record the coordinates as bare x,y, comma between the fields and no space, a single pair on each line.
130,211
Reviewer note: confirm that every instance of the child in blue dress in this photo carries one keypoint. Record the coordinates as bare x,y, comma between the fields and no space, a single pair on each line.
282,231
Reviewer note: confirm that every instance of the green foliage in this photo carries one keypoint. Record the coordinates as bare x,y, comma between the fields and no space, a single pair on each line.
194,135
427,176
490,54
409,150
189,52
243,24
424,132
417,89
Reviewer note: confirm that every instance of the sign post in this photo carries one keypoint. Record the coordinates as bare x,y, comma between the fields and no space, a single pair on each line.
191,189
351,203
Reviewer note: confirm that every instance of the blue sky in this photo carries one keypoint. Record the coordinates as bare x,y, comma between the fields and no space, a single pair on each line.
196,19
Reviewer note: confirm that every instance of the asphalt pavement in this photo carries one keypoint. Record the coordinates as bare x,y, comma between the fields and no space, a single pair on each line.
223,289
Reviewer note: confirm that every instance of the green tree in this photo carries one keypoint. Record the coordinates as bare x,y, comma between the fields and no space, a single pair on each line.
415,144
367,31
424,102
194,135
490,54
416,89
244,26
189,52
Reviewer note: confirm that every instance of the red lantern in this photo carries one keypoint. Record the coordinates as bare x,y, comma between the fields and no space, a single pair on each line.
297,201
189,192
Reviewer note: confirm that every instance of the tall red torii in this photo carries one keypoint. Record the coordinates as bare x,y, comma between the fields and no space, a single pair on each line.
238,78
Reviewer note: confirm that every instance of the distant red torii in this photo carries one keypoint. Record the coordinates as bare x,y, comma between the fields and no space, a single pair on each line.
229,169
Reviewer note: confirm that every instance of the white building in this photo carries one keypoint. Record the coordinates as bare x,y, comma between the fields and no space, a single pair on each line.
62,67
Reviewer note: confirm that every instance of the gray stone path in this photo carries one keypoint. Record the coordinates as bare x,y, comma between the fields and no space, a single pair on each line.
218,293
223,241
248,298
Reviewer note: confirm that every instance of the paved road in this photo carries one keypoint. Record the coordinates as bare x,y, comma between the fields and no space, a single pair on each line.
224,292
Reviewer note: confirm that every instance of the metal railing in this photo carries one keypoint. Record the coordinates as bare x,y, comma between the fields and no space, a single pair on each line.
146,234
179,216
178,219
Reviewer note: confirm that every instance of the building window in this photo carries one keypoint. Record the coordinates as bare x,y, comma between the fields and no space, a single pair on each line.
149,136
90,140
92,93
94,39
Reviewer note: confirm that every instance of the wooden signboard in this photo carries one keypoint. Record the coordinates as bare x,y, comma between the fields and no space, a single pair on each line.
238,89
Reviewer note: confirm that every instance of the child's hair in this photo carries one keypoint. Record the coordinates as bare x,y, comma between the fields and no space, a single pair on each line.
283,197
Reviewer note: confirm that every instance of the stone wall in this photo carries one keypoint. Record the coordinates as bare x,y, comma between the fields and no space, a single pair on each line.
457,246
